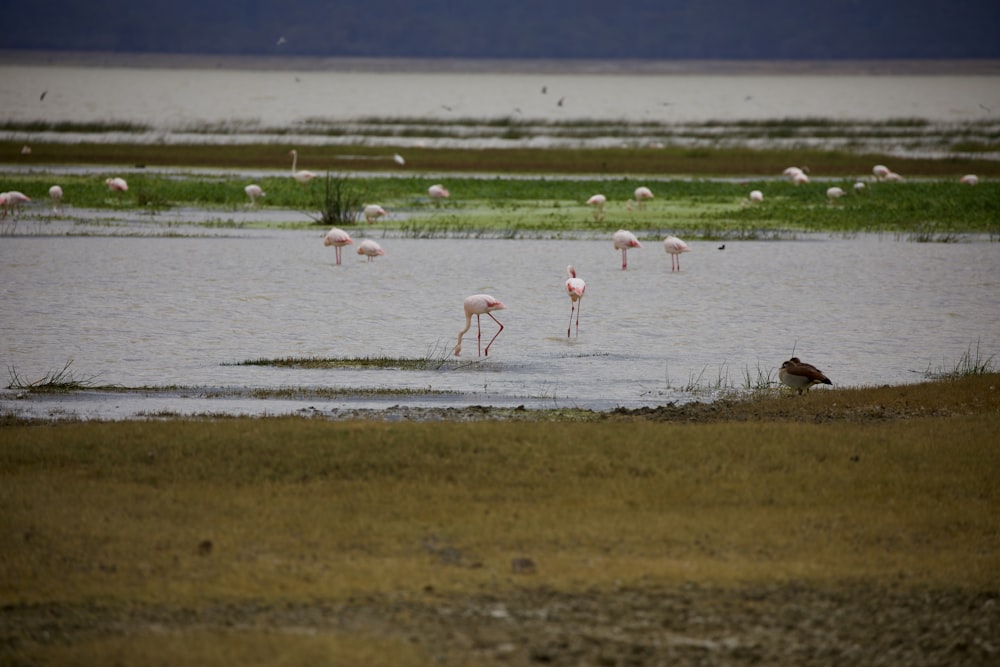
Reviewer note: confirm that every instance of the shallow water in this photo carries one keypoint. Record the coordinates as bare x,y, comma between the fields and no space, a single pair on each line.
141,311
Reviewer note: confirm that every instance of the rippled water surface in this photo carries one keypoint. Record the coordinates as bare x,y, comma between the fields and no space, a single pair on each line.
180,311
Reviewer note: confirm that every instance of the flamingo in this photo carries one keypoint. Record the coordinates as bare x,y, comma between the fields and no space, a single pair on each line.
835,193
800,178
303,176
969,179
13,200
642,193
3,205
792,172
597,201
371,249
801,376
116,184
373,211
479,304
756,196
255,192
56,193
859,186
673,246
880,171
338,238
575,287
623,241
893,177
438,192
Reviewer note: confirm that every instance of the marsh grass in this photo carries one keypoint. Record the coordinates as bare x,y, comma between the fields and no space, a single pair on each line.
971,363
63,380
214,518
376,362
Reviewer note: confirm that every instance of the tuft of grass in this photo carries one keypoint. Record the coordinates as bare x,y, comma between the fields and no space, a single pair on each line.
341,201
971,363
62,380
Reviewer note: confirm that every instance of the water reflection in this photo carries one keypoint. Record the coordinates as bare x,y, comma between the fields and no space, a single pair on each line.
180,311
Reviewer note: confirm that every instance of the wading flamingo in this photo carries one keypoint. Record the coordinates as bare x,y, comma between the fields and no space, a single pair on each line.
479,304
338,238
56,193
370,249
623,241
598,201
642,193
575,287
834,193
673,246
303,176
255,192
800,376
438,192
12,201
373,211
116,184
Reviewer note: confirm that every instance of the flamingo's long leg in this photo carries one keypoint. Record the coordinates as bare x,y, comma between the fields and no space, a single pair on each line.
487,353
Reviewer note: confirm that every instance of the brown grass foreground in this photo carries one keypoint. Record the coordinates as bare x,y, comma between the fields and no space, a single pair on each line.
849,526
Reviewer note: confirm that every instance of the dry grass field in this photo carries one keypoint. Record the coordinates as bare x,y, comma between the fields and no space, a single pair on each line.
844,527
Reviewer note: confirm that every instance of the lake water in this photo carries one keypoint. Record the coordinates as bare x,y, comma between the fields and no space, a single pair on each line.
167,311
178,311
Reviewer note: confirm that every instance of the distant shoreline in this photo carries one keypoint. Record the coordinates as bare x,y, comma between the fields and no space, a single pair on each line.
894,67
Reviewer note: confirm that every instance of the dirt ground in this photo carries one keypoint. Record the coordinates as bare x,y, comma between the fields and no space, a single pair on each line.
688,625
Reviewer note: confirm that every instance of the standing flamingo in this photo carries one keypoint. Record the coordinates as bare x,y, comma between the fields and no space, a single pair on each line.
13,200
479,304
56,193
255,192
575,287
438,192
756,196
371,249
673,246
373,211
880,171
801,376
623,241
338,238
598,201
642,193
302,176
116,184
834,193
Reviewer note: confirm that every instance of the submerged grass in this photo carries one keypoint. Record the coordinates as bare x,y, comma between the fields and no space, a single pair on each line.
393,363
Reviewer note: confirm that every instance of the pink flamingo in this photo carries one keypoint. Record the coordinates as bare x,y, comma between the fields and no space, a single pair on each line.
880,171
756,196
303,176
598,201
479,304
834,193
642,193
56,193
969,179
14,200
338,238
373,211
371,249
623,241
116,184
438,192
575,287
673,246
255,192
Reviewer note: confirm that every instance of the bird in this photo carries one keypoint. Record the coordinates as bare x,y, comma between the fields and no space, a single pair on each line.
116,184
338,238
12,201
598,201
801,376
722,247
255,192
575,287
479,304
303,176
969,179
398,159
859,186
56,193
623,241
880,171
756,196
437,192
834,193
642,193
371,249
800,178
893,177
792,172
373,211
673,246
